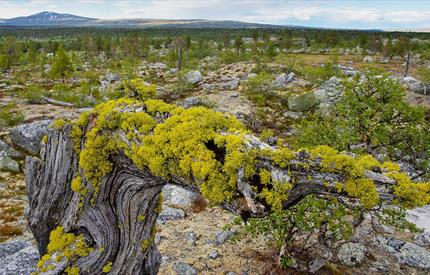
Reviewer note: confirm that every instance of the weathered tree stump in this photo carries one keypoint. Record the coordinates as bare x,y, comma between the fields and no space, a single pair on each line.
113,225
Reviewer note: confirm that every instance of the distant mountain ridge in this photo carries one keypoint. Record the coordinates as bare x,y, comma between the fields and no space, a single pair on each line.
47,18
52,19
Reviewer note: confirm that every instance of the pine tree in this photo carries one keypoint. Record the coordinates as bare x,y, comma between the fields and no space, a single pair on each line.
62,65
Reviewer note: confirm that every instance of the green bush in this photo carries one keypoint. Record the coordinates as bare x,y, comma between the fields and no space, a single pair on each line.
9,116
372,113
258,89
34,95
77,97
306,218
302,103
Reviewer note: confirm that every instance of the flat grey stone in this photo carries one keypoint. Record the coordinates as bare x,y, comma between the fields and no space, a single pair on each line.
184,269
29,136
22,262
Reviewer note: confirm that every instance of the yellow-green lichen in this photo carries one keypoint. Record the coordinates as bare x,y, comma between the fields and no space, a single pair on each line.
59,124
107,268
139,89
65,246
76,184
72,270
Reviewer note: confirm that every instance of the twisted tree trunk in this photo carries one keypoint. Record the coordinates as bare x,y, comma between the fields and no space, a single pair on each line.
118,225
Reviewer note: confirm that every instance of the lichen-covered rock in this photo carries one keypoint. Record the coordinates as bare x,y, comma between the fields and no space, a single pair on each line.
405,252
184,269
283,79
193,77
351,254
29,136
22,262
9,151
8,165
328,93
415,86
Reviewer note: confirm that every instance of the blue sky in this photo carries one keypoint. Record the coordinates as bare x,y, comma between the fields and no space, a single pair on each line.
362,14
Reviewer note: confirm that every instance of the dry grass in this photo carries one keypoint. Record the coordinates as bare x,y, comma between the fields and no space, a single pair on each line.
12,204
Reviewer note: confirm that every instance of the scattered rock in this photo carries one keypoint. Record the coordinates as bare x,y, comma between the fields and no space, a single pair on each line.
29,136
8,165
422,239
20,263
47,68
378,177
213,255
191,238
405,252
234,95
292,115
415,86
420,216
184,269
158,66
272,140
347,70
368,59
232,84
169,213
191,102
328,93
352,254
193,77
317,263
112,77
223,236
8,151
178,197
283,79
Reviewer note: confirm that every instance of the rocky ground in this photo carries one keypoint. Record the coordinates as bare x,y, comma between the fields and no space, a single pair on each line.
190,235
200,244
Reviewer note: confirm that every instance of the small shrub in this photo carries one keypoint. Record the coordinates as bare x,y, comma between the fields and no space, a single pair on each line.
258,89
9,116
34,95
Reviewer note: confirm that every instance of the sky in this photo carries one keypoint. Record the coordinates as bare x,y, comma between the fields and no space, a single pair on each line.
363,14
